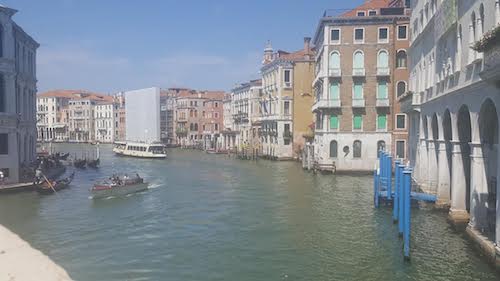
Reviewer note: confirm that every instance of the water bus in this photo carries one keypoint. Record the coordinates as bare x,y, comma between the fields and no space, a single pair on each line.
140,149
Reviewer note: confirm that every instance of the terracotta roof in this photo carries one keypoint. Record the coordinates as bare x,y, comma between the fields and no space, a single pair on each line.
368,5
76,95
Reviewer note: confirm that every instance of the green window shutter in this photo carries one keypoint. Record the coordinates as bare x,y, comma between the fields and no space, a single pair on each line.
358,121
381,122
334,91
334,122
358,91
382,90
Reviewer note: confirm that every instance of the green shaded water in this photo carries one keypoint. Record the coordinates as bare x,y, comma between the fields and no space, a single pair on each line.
207,217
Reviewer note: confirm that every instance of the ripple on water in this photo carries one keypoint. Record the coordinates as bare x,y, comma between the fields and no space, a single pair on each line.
225,219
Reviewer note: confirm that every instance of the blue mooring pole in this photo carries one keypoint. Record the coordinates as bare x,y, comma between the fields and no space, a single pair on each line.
389,177
401,199
395,203
407,215
375,187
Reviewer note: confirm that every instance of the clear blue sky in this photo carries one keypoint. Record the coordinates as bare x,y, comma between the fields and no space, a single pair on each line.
112,45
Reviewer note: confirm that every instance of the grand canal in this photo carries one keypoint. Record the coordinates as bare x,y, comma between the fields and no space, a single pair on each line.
208,217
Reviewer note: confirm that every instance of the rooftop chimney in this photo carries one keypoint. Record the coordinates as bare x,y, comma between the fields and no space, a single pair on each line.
307,44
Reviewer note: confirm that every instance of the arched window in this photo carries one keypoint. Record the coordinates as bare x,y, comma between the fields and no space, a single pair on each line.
191,127
472,37
401,59
380,147
480,25
334,60
333,149
356,149
383,59
359,60
401,88
196,126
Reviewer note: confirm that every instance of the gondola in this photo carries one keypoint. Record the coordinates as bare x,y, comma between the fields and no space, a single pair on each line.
64,156
45,187
93,163
80,163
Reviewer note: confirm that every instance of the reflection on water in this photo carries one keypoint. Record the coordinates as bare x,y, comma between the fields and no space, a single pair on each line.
207,217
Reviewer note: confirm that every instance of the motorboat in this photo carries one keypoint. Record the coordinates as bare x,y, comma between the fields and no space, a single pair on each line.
118,186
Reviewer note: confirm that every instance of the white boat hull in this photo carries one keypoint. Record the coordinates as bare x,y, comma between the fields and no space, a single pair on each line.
140,154
119,190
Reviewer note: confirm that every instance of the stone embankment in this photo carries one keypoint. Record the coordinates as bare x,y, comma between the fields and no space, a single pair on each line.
20,262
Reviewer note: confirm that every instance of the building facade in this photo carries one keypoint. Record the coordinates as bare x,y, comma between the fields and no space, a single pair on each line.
142,111
452,104
104,118
286,94
50,118
119,100
360,70
17,97
167,110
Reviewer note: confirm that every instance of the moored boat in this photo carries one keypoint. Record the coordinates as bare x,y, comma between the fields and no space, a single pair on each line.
47,186
118,186
140,149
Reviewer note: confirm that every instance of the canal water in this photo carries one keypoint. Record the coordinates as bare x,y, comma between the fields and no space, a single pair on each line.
207,217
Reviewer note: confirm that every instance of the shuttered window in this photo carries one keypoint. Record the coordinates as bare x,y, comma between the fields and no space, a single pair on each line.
334,90
358,90
382,122
357,122
382,90
334,122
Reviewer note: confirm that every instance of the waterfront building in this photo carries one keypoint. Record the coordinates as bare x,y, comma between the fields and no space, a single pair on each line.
119,99
244,109
17,97
105,119
452,104
167,108
228,132
142,115
51,117
286,100
198,118
360,71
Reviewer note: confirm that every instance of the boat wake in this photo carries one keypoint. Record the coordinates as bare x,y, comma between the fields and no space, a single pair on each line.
154,185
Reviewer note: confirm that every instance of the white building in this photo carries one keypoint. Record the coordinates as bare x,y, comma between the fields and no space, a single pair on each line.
105,120
51,119
453,107
245,106
17,97
142,111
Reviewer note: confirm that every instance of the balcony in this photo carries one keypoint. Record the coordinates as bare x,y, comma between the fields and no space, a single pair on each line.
383,71
358,102
358,72
491,68
325,104
334,72
382,102
240,117
181,132
181,119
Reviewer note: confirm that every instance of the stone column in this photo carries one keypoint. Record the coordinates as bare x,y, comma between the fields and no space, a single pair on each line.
424,176
443,174
479,187
497,20
479,34
432,168
472,53
458,212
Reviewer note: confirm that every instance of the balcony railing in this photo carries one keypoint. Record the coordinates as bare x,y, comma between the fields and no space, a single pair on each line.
358,72
334,72
382,102
383,71
491,68
358,102
326,103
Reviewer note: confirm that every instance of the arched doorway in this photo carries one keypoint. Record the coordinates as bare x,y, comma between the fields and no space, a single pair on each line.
488,131
465,137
